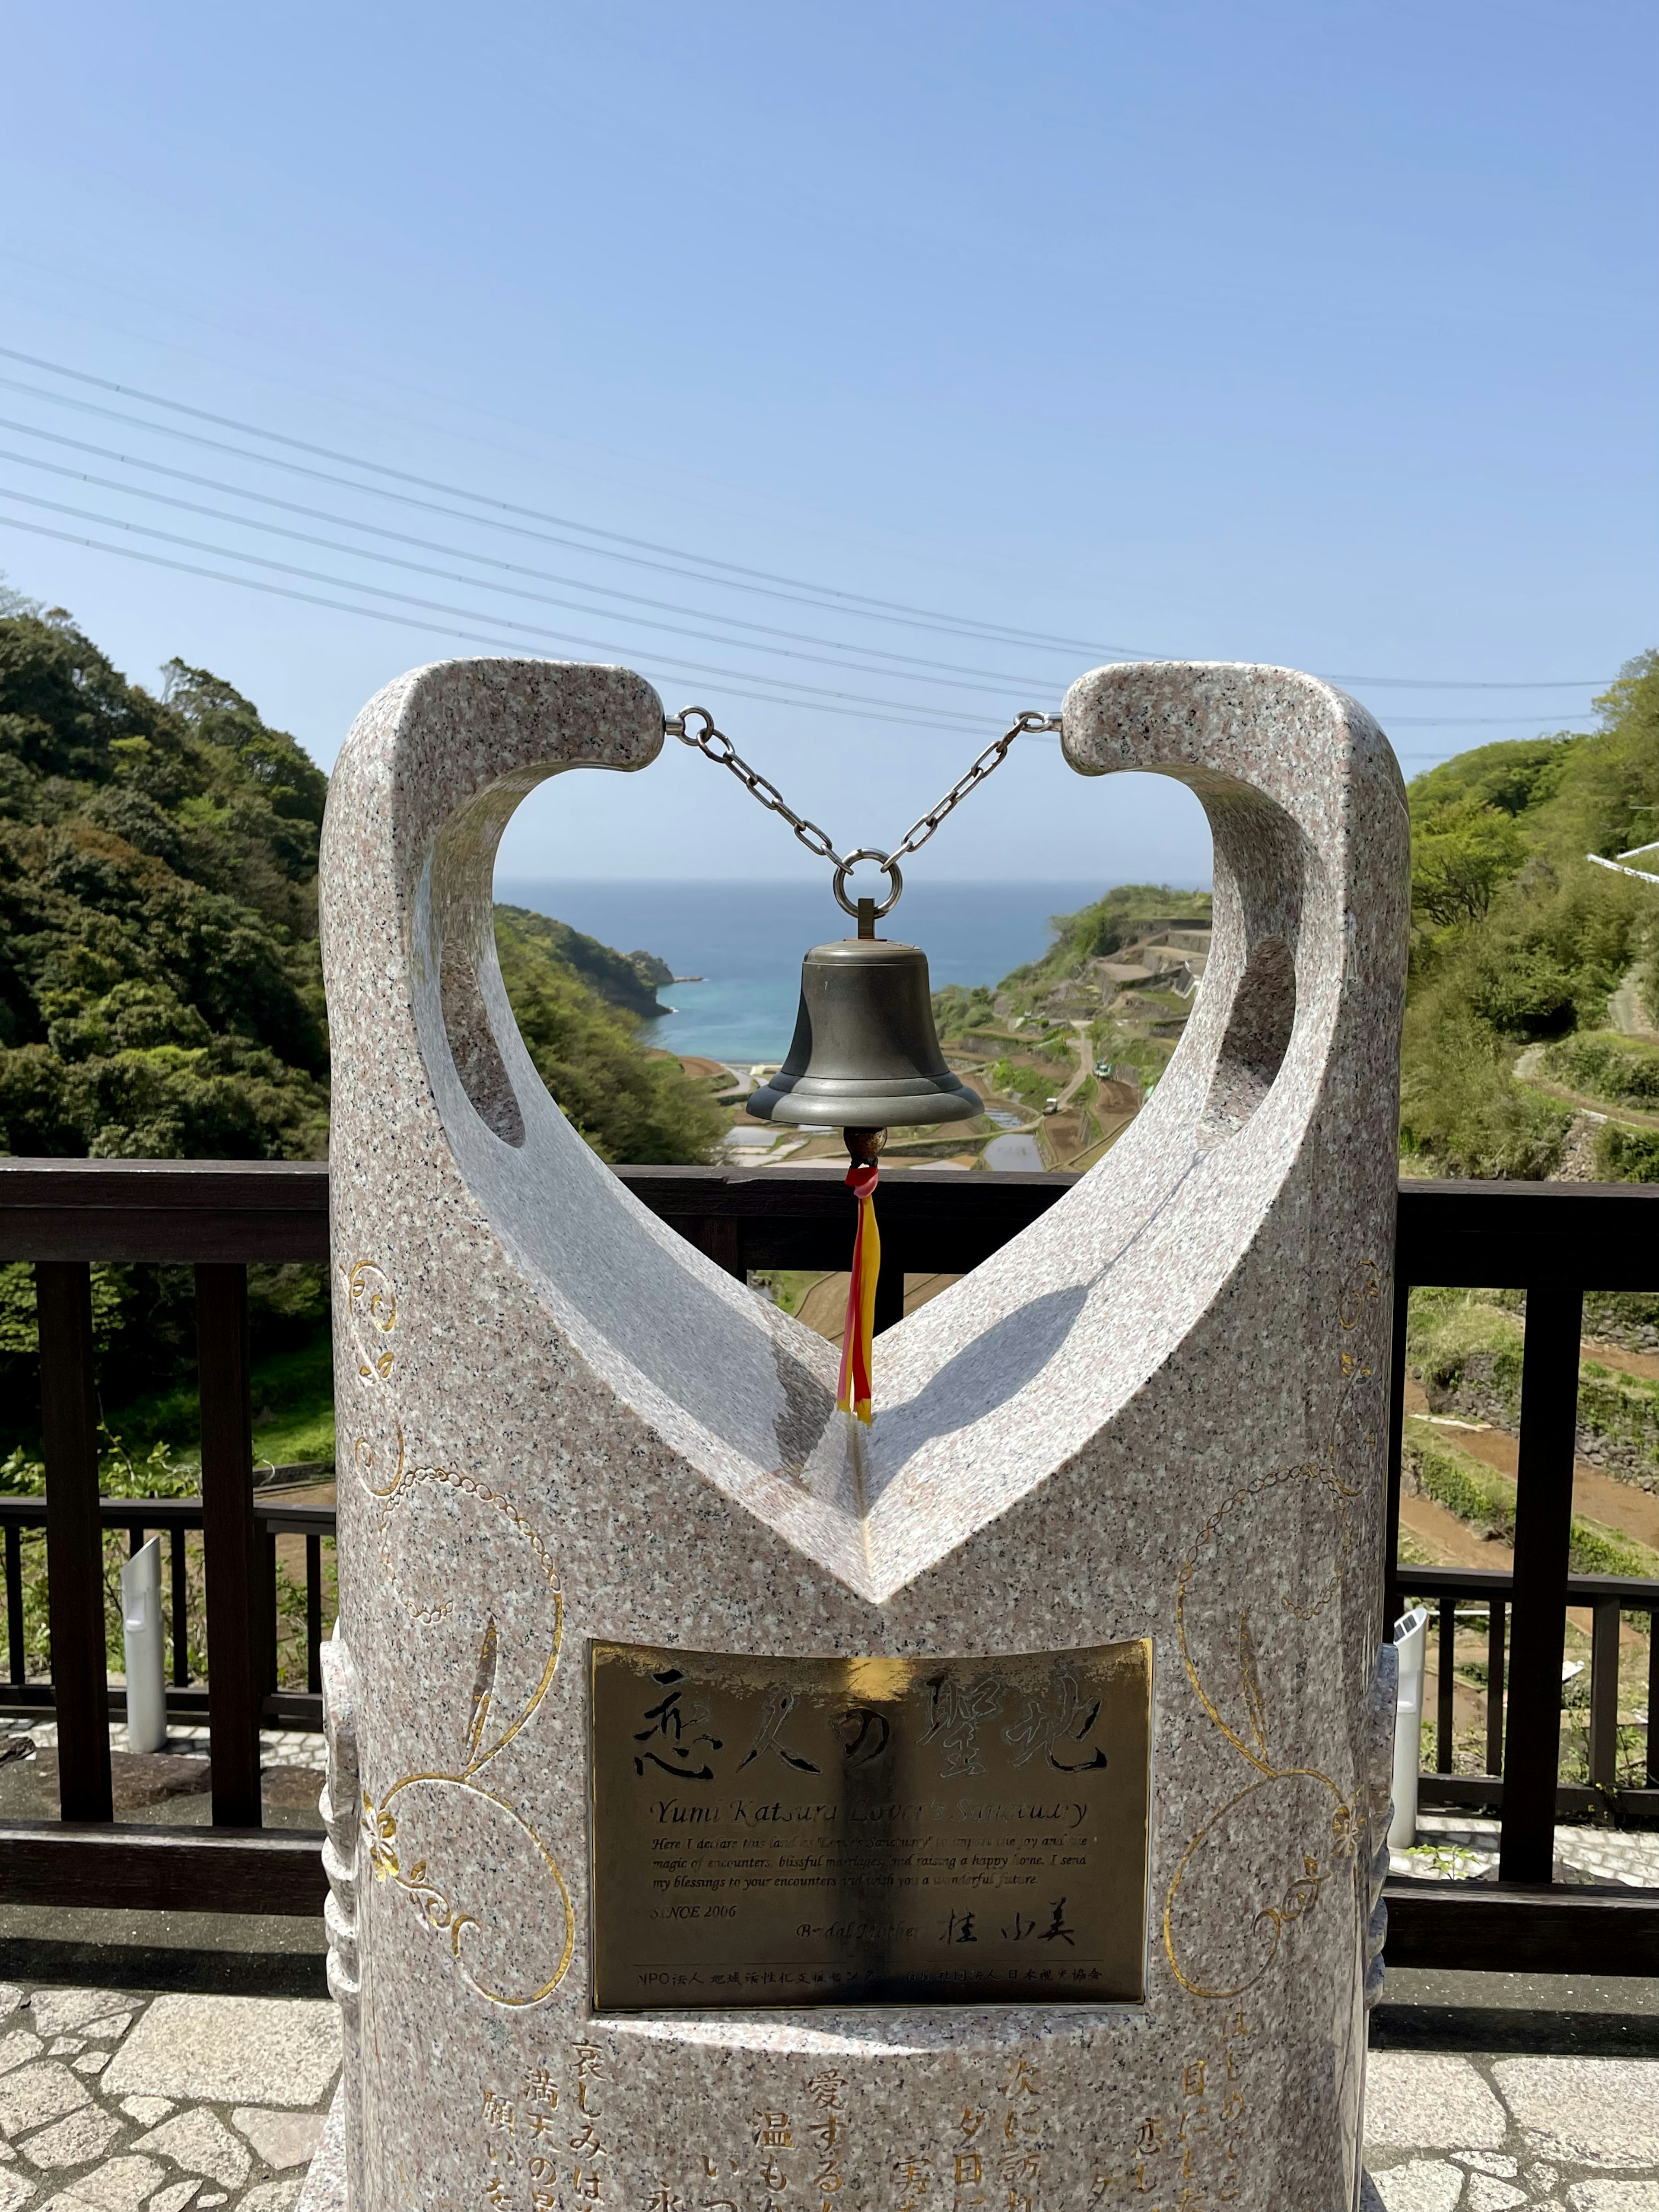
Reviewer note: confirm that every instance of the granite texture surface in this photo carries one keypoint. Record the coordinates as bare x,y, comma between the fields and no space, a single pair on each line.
1159,1412
325,2189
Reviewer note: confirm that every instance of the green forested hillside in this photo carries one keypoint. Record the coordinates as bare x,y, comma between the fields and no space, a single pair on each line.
578,1017
1533,969
161,993
1095,932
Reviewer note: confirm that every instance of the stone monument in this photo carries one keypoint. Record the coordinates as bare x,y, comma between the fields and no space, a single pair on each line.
730,1811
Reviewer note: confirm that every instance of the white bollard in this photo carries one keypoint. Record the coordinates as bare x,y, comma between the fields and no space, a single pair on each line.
140,1633
1409,1639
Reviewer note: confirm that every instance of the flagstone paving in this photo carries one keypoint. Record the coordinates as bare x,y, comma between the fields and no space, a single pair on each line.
196,2102
112,2101
1454,2133
1464,1847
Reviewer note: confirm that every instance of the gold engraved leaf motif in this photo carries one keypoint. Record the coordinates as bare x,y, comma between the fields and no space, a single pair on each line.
1250,1681
371,1307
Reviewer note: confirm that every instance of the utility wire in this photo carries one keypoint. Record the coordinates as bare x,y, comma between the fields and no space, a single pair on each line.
672,560
931,671
776,586
904,714
842,702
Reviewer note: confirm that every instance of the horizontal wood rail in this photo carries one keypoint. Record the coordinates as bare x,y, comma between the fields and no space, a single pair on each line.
1478,1236
199,1211
157,1870
1489,1927
1558,1241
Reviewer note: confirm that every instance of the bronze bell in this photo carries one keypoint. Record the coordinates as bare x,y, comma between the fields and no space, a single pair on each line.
865,1053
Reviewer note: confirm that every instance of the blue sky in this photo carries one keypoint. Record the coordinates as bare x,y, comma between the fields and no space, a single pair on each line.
1312,333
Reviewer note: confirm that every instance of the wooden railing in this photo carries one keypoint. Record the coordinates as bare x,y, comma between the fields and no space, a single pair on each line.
1555,1240
1485,1595
137,1518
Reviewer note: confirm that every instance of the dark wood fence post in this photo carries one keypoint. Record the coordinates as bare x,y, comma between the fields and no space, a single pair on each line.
1604,1693
74,1539
234,1656
1538,1620
16,1665
313,1613
1445,1712
180,1615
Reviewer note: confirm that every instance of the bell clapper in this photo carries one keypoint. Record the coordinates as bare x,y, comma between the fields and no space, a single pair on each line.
864,1146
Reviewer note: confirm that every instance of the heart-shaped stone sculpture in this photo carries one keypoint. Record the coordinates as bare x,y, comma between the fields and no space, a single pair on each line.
1156,1419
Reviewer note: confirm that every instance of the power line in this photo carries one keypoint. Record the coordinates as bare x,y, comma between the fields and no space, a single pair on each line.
675,567
672,560
931,671
828,702
904,713
775,585
739,681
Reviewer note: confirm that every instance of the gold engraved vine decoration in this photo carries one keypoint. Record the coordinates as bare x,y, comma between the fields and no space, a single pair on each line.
372,1307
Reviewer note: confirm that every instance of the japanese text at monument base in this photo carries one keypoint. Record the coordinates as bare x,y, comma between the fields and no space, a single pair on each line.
855,1832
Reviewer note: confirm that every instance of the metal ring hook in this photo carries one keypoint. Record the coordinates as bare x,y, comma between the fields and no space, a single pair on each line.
889,868
674,725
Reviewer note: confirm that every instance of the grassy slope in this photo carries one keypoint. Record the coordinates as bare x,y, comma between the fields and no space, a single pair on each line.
1484,1498
1519,940
1096,930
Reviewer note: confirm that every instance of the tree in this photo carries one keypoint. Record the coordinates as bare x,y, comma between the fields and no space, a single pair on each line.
1518,940
1460,856
629,1106
161,992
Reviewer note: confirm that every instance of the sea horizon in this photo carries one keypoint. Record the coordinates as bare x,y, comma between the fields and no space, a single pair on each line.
737,946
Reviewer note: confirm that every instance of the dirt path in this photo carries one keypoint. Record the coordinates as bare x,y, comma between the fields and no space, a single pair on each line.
1084,1065
1645,1366
1453,1542
1597,1496
1625,1011
1631,1116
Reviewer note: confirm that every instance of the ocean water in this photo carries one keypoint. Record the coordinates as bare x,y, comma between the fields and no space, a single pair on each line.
745,942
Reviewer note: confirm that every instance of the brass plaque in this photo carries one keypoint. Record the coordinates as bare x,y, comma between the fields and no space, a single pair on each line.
869,1831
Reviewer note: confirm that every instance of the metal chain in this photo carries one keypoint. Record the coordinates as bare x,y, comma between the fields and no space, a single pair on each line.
705,740
992,757
716,746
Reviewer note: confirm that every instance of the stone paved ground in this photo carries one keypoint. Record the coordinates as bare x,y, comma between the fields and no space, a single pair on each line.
111,2101
277,1746
1447,2132
1463,1847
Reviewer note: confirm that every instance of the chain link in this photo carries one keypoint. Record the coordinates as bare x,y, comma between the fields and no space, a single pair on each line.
992,757
706,740
716,746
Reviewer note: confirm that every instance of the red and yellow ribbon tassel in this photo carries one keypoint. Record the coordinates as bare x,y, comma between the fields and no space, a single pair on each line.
853,1395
